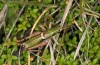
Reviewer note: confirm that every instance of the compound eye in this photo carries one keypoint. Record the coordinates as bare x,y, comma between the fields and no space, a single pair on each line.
42,36
23,45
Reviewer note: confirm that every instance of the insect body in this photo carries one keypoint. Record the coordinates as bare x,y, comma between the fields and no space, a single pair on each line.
43,36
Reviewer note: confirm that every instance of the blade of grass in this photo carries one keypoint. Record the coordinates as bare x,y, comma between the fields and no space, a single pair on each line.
28,57
77,25
52,62
15,22
82,39
69,3
3,15
46,9
66,12
84,34
38,20
92,14
91,11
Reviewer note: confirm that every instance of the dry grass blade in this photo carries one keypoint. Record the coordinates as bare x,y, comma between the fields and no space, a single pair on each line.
38,20
84,34
97,21
54,11
82,39
52,54
15,21
77,25
2,15
93,12
28,57
66,12
19,52
52,62
2,18
2,12
65,15
45,50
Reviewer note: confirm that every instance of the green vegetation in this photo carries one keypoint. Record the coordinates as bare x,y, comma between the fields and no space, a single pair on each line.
76,41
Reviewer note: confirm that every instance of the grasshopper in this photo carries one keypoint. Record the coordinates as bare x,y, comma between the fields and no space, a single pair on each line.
34,41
